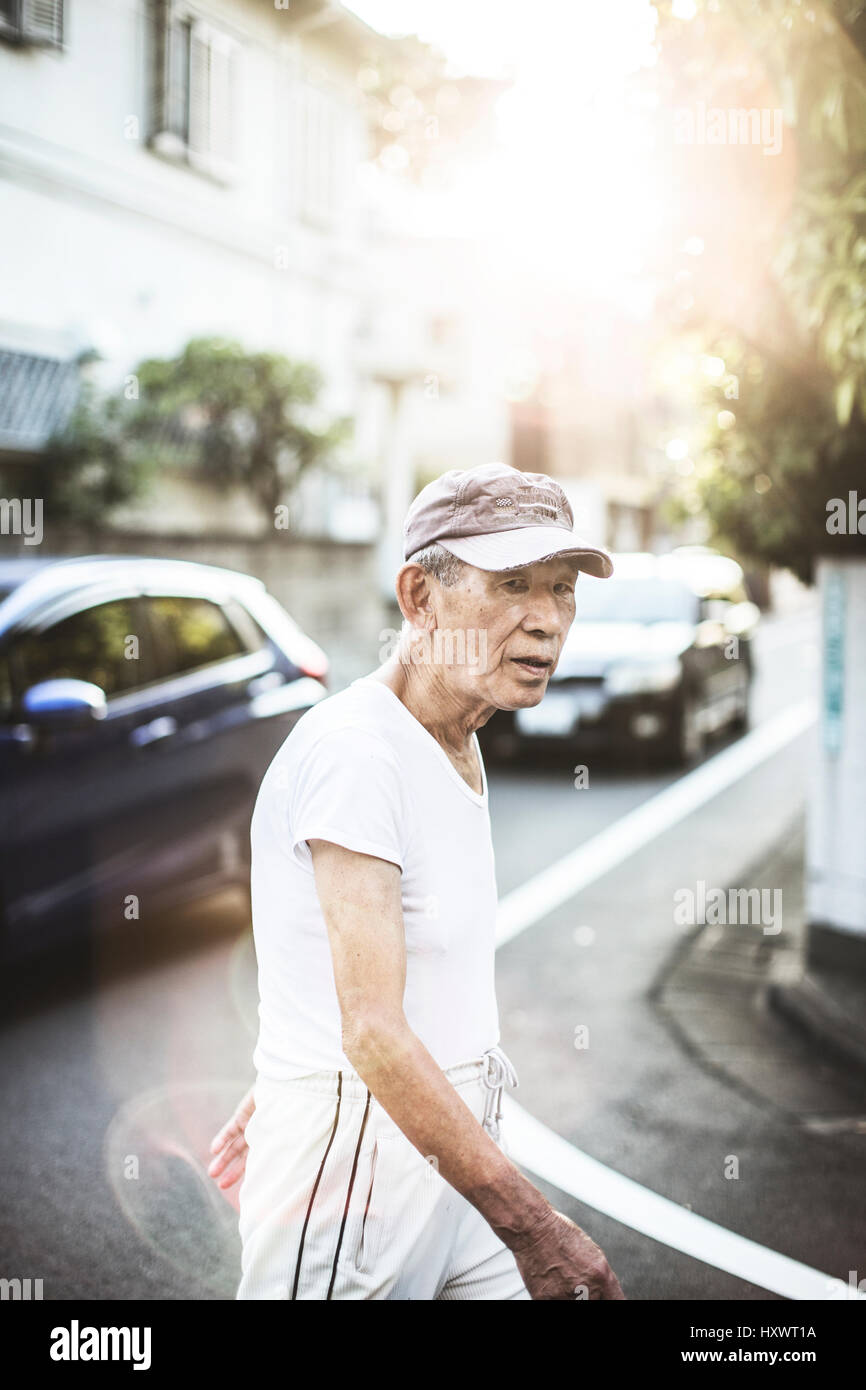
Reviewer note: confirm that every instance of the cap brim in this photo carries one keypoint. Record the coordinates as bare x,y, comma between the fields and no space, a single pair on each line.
527,545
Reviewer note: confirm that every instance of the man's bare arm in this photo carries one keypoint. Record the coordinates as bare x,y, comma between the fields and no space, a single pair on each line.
361,903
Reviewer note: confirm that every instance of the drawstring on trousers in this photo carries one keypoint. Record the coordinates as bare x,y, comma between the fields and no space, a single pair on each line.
497,1071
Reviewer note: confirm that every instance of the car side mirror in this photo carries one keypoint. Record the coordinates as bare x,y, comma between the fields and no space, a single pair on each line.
63,704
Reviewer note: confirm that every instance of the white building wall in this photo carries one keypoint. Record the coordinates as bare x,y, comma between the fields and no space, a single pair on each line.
116,247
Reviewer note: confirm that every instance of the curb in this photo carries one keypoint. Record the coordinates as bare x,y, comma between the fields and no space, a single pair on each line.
746,1008
813,1009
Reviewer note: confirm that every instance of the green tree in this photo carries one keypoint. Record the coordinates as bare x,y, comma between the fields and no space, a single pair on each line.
238,419
97,463
768,462
241,419
794,436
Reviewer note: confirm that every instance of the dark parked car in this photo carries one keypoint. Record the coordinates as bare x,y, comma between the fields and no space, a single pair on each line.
658,659
140,702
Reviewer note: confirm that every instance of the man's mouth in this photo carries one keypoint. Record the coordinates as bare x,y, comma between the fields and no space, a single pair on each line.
538,665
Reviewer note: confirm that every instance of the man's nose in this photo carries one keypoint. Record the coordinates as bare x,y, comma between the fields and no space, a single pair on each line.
544,615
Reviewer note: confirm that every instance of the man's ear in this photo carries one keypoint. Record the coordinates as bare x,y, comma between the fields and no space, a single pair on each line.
413,587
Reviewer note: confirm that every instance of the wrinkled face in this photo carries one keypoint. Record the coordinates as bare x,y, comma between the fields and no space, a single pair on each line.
515,623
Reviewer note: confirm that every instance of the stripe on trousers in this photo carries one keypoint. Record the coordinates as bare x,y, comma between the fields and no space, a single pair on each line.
349,1195
316,1185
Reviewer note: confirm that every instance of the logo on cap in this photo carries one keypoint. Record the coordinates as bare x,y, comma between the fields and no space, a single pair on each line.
539,502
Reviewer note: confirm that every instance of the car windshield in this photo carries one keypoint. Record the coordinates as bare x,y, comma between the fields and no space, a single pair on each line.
647,600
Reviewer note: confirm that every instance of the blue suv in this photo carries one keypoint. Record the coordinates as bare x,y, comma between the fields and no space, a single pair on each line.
141,701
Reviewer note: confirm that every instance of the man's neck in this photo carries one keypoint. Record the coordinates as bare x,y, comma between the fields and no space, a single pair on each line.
440,709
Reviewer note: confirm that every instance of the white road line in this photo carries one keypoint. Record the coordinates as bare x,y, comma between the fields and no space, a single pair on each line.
548,890
531,1144
553,1159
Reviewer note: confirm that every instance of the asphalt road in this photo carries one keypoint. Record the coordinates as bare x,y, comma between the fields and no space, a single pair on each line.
114,1077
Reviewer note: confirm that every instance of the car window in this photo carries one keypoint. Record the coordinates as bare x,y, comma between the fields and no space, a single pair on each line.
89,646
251,632
189,633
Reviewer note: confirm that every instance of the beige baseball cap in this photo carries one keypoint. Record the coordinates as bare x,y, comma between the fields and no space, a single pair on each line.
496,517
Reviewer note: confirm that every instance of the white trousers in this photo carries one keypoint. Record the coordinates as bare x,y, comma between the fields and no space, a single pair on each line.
337,1204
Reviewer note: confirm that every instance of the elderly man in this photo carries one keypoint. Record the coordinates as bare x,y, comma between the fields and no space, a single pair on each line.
370,1148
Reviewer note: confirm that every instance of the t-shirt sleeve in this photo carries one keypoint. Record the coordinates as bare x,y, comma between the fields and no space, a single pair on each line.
348,789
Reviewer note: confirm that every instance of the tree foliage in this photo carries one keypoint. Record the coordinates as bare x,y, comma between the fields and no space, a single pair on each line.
96,464
795,436
769,461
242,419
238,419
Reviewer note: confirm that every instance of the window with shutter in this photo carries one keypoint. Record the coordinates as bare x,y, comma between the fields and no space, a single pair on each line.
32,21
211,98
177,94
195,93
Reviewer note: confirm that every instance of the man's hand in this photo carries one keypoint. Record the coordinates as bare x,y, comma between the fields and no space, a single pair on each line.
230,1147
560,1261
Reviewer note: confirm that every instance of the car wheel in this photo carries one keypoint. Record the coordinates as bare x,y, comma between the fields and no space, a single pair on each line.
686,742
740,721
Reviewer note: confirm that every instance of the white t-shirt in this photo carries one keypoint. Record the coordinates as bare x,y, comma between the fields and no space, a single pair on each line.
360,770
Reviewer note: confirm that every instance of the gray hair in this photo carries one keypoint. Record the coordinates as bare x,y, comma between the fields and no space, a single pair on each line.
440,563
